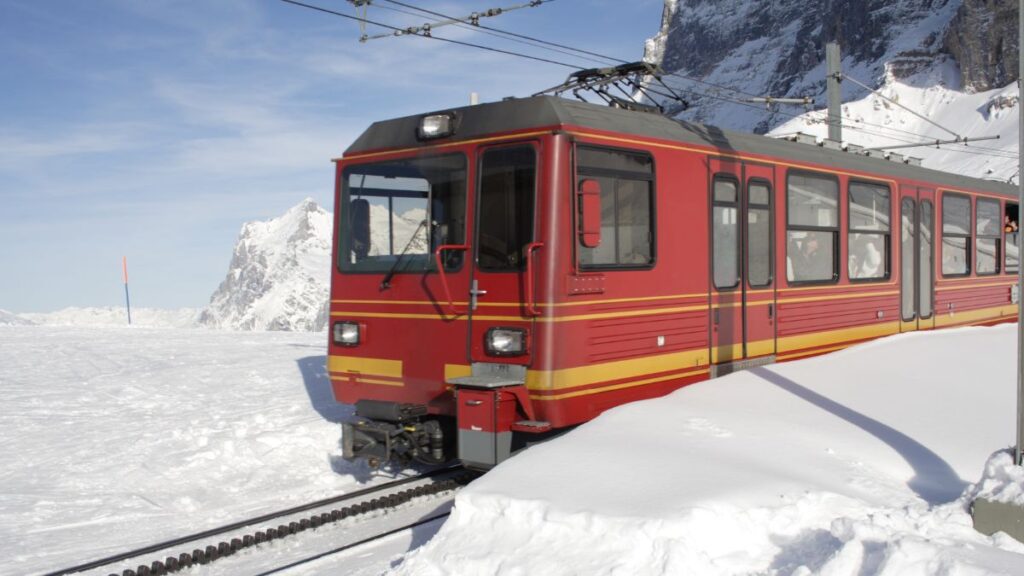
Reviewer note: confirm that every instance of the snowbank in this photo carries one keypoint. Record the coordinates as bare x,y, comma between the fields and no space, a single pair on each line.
856,462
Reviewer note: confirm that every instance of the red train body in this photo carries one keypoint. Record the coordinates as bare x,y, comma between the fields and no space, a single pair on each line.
511,269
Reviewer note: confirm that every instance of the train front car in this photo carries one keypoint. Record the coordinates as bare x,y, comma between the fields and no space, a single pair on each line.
439,249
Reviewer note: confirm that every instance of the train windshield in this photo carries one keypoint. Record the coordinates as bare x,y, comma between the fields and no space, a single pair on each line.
399,211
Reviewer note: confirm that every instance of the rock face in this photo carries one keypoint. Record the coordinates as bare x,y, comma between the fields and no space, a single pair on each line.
745,48
279,275
983,39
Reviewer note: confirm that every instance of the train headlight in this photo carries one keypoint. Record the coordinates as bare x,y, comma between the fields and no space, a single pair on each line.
347,333
436,126
506,341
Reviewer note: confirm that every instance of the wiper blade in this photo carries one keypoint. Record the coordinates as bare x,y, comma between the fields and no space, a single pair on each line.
386,282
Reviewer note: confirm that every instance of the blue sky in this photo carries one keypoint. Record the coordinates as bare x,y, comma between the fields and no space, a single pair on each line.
153,129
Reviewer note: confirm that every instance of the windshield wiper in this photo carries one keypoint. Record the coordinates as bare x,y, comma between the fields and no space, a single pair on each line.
386,282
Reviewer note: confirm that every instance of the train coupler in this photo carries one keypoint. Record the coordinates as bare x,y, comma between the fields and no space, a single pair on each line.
389,431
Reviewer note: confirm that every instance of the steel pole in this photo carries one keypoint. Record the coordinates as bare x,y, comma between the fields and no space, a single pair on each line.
1020,208
833,62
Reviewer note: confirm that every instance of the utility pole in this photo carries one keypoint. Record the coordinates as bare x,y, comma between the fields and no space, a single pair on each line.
1020,268
124,270
835,95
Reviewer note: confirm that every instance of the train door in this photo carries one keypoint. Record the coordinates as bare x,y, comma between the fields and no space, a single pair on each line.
916,213
742,282
505,253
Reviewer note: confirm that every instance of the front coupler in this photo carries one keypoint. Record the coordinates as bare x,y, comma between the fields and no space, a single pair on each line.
386,431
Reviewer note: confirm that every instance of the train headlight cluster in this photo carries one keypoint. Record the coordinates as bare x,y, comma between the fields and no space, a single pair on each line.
436,126
347,333
506,341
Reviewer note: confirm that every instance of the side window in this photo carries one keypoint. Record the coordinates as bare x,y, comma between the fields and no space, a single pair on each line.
725,227
1011,240
812,228
869,232
507,184
759,234
956,234
627,207
987,230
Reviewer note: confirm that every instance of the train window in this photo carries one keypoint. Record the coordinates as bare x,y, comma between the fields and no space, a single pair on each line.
759,234
725,233
399,210
925,260
505,223
812,229
1011,238
956,234
627,207
988,230
869,231
908,234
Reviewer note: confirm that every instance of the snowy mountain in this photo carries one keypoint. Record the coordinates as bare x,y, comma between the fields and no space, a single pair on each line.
279,274
12,319
114,316
953,61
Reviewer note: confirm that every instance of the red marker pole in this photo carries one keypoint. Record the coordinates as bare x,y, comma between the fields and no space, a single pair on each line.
127,302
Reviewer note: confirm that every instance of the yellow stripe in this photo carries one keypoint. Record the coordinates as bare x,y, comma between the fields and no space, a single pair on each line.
618,386
456,371
972,316
539,304
975,286
809,352
760,348
381,382
617,370
510,137
837,297
726,353
371,366
791,343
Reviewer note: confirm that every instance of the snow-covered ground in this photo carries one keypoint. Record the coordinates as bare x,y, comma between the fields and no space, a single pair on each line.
113,438
860,462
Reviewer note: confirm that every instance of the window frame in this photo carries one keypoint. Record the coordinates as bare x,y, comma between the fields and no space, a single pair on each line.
770,207
850,230
969,235
740,275
480,152
836,230
342,221
1006,239
577,176
998,237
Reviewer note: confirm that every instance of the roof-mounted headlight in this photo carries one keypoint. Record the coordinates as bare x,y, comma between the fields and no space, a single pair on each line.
436,126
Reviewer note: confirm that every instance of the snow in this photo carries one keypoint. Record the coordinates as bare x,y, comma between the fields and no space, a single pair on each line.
114,438
859,462
114,316
934,93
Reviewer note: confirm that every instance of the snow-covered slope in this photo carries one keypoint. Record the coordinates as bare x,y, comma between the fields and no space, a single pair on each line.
116,316
12,319
950,60
859,462
937,94
279,274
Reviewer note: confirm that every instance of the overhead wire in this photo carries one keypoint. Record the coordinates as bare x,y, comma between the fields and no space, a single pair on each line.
547,45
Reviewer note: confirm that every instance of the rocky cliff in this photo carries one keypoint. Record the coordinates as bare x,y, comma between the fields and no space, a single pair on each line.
279,274
731,50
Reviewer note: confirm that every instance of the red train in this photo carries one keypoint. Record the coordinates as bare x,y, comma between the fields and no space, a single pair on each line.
506,270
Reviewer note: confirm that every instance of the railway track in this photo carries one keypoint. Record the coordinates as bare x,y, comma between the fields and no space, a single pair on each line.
203,548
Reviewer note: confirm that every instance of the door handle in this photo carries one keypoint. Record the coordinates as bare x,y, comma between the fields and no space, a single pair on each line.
771,310
473,293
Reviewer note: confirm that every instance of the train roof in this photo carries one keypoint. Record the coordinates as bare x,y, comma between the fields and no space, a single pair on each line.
552,112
